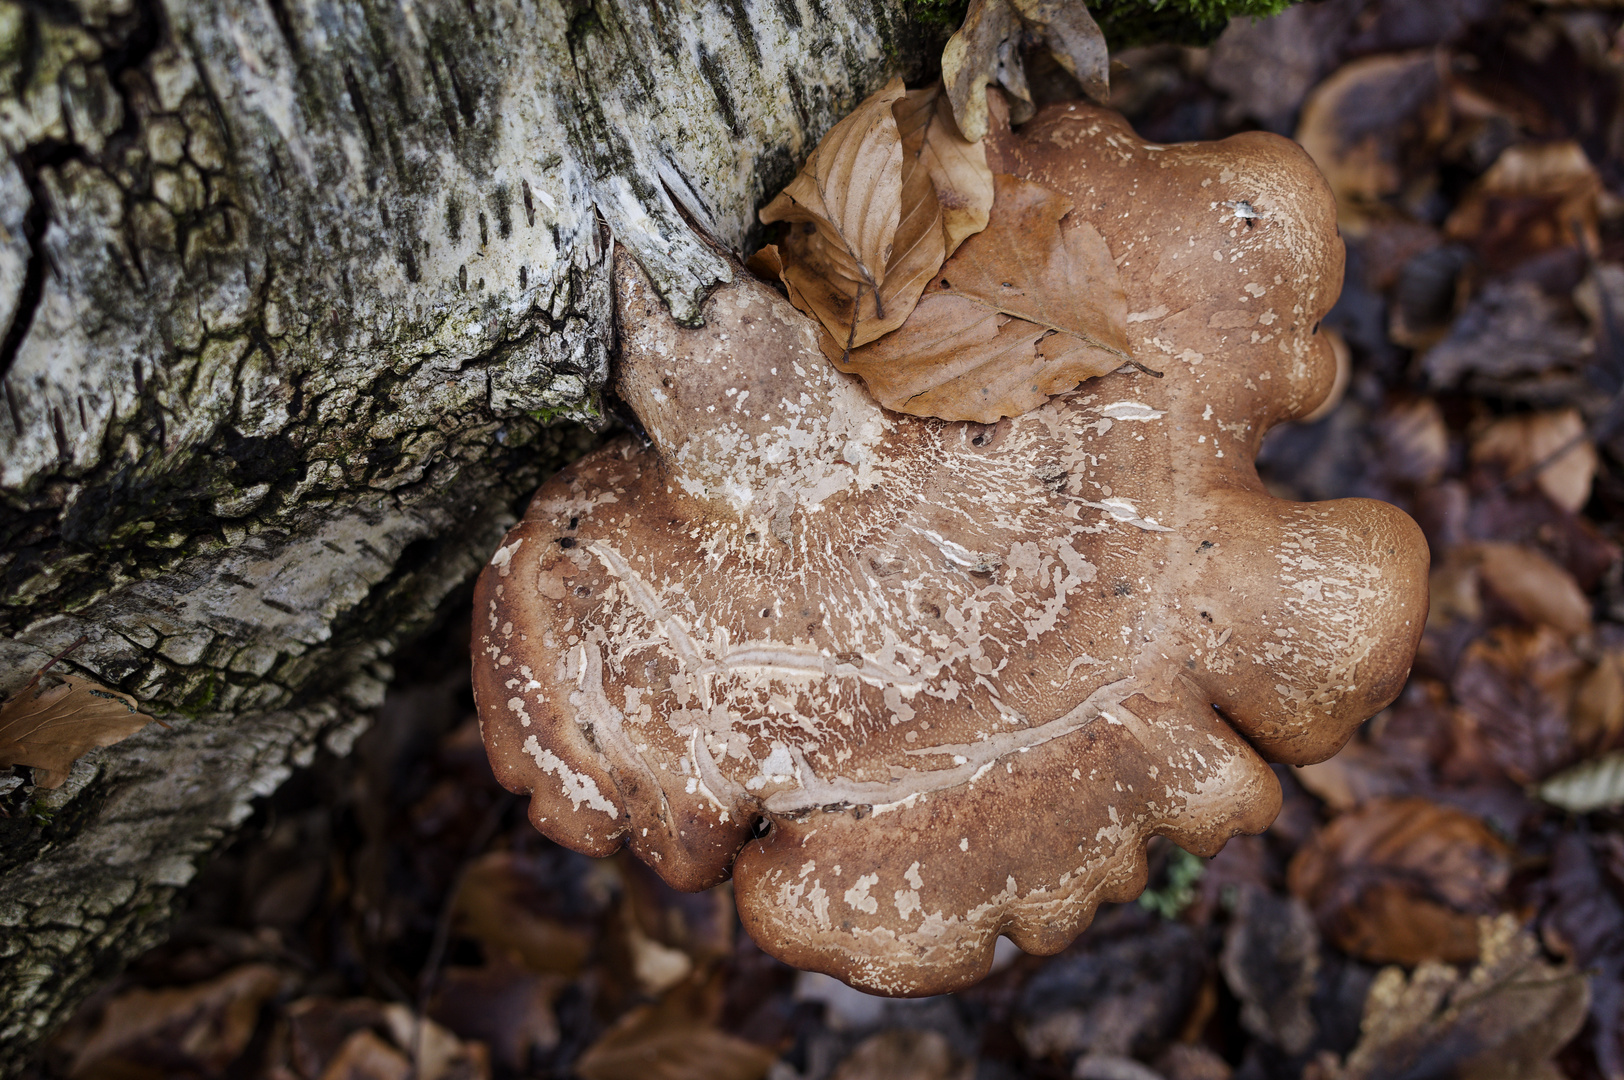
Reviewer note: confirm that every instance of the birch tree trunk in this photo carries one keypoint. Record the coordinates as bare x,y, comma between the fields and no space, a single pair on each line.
294,295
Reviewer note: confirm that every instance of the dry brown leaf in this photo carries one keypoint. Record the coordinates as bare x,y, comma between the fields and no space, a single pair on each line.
1515,688
366,1056
503,1006
1529,201
904,1054
343,1040
666,932
50,729
1357,774
848,205
957,168
767,263
1553,441
1536,588
202,1028
1359,125
674,1039
1029,307
1414,441
1597,716
318,1026
492,907
1402,880
987,49
439,1054
1509,339
1503,1020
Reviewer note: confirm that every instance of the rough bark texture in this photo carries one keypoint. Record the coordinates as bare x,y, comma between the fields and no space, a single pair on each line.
292,295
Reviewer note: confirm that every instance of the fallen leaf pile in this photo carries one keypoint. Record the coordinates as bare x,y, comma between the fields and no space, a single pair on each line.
1444,898
952,292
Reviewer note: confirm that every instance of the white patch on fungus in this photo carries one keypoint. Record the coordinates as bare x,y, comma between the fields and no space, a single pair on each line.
578,787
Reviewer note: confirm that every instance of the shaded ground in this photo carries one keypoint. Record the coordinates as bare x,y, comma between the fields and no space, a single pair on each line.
1444,898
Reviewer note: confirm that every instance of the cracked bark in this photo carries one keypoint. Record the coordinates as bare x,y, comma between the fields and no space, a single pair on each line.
299,301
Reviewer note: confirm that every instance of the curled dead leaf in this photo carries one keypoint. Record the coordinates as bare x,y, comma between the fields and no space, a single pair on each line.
1534,586
201,1028
1551,446
501,1005
495,906
847,204
1027,308
48,730
890,192
904,1054
1536,196
1597,718
1402,880
1515,688
957,167
363,1039
987,49
675,1039
1361,124
1505,1018
366,1056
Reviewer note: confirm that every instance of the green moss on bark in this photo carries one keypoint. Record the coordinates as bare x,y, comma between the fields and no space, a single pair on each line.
1181,22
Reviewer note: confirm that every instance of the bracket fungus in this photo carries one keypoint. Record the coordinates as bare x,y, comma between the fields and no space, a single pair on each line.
913,683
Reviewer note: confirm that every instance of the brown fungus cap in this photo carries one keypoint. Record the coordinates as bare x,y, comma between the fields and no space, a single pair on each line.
960,672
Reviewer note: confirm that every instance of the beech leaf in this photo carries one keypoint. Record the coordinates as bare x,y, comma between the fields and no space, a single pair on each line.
957,167
848,200
1027,308
987,49
675,1038
1402,880
50,729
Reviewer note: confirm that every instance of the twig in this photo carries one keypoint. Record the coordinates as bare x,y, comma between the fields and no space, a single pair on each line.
78,641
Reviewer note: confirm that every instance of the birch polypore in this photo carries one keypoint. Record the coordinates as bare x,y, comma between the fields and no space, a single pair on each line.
916,684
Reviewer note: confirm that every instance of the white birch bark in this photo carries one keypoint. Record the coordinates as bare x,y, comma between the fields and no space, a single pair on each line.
293,294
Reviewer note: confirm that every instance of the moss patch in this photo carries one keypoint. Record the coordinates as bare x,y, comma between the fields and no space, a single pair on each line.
1183,22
